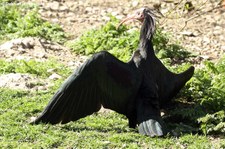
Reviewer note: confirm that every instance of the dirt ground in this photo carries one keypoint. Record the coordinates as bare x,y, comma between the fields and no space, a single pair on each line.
199,28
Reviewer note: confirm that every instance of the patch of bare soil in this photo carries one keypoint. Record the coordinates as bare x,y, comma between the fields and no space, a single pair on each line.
31,48
40,50
23,82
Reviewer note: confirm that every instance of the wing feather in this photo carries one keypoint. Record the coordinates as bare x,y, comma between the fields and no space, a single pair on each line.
90,87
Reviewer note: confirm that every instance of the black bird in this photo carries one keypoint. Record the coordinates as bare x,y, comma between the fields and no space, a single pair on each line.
137,89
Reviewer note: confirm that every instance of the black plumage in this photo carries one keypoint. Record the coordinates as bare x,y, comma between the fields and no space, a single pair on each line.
137,89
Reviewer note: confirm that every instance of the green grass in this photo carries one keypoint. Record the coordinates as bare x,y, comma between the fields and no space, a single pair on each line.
22,20
41,69
102,130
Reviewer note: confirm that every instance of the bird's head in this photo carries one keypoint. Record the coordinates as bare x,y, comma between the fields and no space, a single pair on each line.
147,17
137,15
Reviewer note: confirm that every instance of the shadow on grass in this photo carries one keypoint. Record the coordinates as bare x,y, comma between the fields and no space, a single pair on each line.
182,117
102,129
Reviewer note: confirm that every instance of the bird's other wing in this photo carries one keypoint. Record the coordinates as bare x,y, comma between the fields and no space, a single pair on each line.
101,80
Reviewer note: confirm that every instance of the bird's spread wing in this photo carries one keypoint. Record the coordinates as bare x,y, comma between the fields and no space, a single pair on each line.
102,80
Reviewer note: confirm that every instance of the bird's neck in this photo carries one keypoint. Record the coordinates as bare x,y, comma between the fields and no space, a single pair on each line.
146,34
146,47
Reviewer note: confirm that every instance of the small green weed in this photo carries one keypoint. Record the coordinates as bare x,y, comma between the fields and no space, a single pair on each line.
23,20
204,99
122,42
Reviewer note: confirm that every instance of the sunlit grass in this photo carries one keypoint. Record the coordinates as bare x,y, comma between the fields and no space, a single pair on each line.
99,130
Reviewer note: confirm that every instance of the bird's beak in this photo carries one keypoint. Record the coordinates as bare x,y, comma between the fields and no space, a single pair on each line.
136,16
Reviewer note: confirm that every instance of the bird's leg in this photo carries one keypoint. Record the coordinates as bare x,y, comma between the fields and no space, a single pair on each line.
132,118
131,114
149,120
148,110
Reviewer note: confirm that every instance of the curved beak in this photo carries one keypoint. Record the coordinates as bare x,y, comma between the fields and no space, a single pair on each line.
136,16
